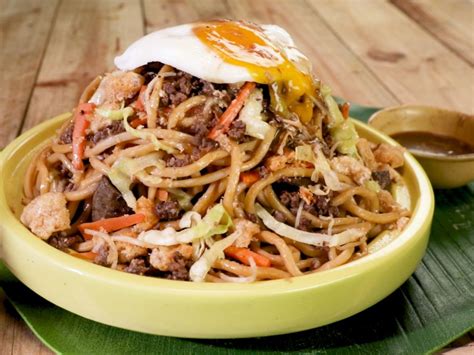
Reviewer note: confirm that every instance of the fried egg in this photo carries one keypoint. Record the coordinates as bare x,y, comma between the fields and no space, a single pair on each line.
224,51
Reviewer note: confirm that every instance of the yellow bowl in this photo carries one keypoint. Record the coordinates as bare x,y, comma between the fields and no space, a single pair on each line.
443,171
205,310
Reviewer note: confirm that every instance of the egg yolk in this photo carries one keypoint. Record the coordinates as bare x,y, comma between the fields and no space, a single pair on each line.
245,45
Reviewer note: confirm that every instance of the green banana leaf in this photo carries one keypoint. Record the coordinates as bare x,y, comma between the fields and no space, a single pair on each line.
435,306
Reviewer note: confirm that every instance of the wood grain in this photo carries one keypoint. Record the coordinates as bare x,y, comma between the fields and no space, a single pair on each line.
86,38
416,67
451,22
23,37
15,337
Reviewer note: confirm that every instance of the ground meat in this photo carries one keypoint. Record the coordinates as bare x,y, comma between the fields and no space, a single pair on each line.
63,243
107,201
199,128
327,137
63,171
66,134
167,210
251,217
297,180
102,255
207,88
179,268
205,145
178,88
172,161
291,200
279,216
262,171
112,129
383,178
137,266
320,206
150,70
237,130
323,207
304,225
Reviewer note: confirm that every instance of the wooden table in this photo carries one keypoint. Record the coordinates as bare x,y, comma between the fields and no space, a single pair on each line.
372,52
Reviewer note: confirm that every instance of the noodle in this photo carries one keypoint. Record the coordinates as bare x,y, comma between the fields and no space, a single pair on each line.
152,96
180,111
260,185
230,192
284,251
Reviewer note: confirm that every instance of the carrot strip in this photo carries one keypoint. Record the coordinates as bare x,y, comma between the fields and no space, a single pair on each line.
345,109
243,255
249,177
81,123
88,255
163,195
232,111
111,224
138,122
139,105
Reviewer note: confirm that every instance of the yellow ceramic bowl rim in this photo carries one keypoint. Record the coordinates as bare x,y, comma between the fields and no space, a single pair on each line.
460,157
420,218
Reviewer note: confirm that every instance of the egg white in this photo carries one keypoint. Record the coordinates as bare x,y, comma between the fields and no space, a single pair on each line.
180,48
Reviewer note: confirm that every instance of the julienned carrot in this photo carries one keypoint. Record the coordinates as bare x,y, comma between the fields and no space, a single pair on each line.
345,109
249,177
81,123
163,195
244,254
139,103
88,255
112,224
232,111
138,122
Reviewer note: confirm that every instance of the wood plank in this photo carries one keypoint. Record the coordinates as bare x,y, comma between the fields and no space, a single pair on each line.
333,62
451,22
86,38
415,66
172,13
15,337
23,37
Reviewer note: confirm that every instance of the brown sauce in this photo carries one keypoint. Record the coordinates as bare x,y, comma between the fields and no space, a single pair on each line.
433,143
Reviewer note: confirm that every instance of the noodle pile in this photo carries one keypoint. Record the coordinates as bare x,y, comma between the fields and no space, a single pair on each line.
267,198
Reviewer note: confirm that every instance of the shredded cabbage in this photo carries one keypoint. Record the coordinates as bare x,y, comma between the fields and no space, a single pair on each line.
321,166
115,114
216,221
125,168
183,198
317,239
316,190
201,267
342,131
372,185
251,115
146,135
189,219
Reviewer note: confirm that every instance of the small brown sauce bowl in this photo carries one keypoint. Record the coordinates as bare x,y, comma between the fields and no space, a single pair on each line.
444,171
